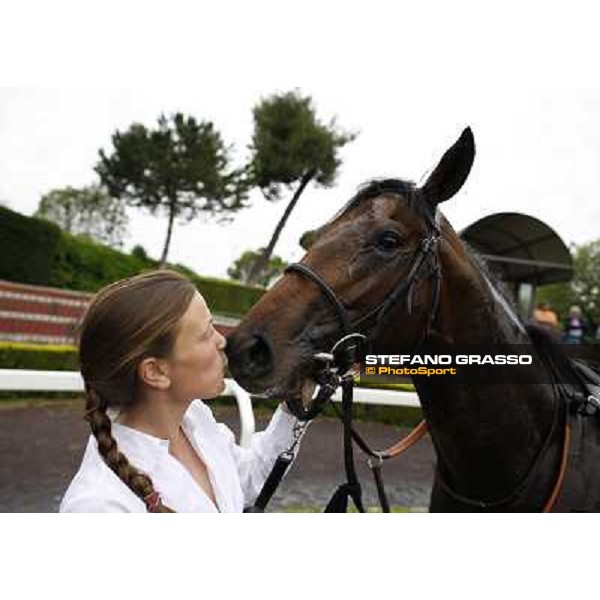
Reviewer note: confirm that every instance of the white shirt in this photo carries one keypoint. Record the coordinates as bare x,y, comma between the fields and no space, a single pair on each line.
237,474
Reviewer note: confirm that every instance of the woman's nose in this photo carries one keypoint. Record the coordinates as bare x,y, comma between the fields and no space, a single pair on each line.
221,341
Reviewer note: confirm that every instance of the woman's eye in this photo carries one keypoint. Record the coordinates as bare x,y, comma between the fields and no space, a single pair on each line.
208,333
388,241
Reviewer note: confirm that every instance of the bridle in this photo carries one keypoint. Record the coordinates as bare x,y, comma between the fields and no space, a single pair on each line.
425,255
342,355
334,374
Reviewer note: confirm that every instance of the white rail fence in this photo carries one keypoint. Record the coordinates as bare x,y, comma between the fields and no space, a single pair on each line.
19,380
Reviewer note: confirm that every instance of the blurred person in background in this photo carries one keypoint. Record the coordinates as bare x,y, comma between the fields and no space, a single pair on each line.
545,317
574,327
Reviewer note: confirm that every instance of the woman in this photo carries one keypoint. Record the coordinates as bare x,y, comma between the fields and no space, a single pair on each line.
148,349
545,317
575,327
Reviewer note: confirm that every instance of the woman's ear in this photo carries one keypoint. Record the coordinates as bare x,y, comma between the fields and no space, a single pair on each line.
154,372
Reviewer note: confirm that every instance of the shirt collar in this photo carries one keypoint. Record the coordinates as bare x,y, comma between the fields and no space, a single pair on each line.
141,449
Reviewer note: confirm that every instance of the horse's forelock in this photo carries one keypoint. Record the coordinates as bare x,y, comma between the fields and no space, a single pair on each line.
379,187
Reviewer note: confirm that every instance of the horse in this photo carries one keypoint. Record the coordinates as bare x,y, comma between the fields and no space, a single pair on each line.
390,266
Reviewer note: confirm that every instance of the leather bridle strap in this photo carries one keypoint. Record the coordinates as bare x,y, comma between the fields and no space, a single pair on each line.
407,442
564,461
327,292
404,290
400,447
352,488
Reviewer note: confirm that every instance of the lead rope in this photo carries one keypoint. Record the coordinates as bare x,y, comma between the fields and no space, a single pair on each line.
407,442
383,500
283,462
352,488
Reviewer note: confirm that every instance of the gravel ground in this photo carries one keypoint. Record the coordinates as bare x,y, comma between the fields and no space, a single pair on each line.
41,446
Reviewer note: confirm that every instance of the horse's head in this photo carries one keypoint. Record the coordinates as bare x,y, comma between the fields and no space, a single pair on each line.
372,256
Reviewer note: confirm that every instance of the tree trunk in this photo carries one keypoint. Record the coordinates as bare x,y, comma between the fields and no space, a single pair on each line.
263,260
163,258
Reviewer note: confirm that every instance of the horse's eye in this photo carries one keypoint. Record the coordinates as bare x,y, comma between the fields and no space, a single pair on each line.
389,241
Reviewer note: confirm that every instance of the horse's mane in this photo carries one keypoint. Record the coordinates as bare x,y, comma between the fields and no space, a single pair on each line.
491,275
406,188
548,348
377,187
575,371
545,344
543,341
539,337
402,187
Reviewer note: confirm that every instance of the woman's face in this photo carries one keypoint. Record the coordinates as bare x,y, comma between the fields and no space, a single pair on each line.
197,363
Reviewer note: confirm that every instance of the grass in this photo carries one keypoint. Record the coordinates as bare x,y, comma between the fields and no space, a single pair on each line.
399,387
352,509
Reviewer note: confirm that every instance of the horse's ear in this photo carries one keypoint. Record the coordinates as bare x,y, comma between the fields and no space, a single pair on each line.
452,171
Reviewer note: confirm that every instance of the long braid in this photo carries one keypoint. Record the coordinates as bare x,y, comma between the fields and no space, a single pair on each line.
126,322
139,483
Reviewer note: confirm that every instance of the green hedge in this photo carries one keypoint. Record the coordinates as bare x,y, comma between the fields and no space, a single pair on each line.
87,266
38,357
29,248
38,252
227,297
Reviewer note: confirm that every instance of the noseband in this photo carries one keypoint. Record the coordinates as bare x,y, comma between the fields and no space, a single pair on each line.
336,370
347,349
425,255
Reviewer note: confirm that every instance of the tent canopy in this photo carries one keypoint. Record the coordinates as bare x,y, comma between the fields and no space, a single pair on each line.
521,248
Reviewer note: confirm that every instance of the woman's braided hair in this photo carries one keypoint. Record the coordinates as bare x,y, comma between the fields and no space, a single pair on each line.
126,322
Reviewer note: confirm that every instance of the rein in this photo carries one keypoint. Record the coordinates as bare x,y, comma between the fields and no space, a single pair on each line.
336,372
403,292
340,359
526,479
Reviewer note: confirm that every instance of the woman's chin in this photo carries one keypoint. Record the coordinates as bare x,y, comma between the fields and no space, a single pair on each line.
215,392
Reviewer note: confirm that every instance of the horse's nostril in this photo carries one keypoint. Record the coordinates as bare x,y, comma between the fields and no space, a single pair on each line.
250,357
260,354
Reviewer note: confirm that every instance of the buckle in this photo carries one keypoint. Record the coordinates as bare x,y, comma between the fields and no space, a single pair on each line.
594,401
375,466
589,406
429,243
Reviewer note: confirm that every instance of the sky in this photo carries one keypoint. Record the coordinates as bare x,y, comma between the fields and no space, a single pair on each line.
408,80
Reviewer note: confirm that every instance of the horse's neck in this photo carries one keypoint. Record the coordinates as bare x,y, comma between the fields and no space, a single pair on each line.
486,436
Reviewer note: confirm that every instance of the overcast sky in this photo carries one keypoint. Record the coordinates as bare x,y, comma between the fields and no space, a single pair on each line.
408,80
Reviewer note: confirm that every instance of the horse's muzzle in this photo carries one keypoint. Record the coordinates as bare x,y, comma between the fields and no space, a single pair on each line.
250,358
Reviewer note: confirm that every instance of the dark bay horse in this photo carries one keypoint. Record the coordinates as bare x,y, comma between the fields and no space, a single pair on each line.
402,276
